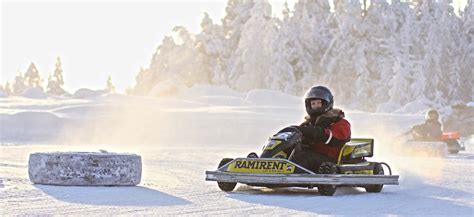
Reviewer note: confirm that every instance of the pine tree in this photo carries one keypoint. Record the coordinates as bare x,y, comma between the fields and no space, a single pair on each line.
211,46
109,87
32,76
58,72
238,12
254,61
339,59
55,81
313,33
399,91
451,55
7,89
19,84
381,26
143,82
467,59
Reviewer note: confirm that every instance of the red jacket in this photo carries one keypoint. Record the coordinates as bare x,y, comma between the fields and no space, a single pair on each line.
337,134
336,130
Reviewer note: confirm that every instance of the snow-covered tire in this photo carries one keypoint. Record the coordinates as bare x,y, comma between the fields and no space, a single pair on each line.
327,168
85,168
226,186
378,170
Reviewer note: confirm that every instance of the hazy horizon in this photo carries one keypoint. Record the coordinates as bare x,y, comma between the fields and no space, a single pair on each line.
94,39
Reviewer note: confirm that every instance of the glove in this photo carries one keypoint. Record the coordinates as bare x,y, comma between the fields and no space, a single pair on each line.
312,133
325,121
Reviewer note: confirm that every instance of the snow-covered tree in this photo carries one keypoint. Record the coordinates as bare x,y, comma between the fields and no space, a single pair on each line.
284,54
32,76
339,59
399,89
312,33
144,82
7,89
451,54
381,33
211,46
467,59
432,48
395,53
56,81
19,84
254,58
237,14
109,87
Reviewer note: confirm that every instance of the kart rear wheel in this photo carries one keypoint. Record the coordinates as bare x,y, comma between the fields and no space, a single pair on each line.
327,168
453,146
378,170
226,186
453,151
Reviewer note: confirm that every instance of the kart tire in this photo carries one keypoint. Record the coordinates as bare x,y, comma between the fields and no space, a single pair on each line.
226,186
453,146
327,168
378,170
453,151
84,168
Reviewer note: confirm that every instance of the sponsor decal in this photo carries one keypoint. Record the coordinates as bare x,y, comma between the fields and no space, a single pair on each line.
362,150
358,172
272,144
261,166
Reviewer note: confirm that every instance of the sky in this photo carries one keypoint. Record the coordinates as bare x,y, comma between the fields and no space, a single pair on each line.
97,39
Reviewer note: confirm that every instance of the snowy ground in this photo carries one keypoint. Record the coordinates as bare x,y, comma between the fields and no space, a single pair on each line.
180,138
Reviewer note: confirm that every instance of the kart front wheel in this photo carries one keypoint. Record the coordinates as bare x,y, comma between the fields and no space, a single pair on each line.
226,186
327,168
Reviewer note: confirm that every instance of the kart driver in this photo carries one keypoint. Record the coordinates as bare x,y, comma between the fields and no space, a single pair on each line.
324,130
430,130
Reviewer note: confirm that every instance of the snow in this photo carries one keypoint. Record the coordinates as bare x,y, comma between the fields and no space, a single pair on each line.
180,138
35,93
84,93
3,94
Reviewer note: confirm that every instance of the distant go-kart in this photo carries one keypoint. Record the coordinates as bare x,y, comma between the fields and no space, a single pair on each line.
453,142
448,142
273,169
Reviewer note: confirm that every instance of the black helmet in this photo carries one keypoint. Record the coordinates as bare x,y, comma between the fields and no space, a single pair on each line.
431,115
318,92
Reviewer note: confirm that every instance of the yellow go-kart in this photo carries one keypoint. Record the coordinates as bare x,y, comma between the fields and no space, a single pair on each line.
273,169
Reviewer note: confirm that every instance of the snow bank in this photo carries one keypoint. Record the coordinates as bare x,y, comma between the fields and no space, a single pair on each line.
201,90
167,88
272,98
85,93
83,111
202,113
3,94
30,126
388,107
34,93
